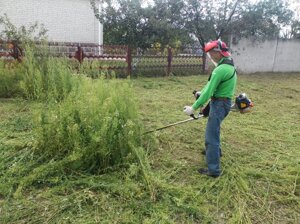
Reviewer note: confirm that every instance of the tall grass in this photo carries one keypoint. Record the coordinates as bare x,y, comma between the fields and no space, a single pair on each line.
99,124
10,76
37,77
45,77
260,163
83,125
94,130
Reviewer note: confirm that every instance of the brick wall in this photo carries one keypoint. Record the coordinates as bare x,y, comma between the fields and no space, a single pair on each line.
66,20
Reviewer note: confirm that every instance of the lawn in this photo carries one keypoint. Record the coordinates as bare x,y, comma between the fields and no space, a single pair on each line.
260,182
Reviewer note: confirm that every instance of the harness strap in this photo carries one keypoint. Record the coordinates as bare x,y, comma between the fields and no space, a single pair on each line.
230,77
226,62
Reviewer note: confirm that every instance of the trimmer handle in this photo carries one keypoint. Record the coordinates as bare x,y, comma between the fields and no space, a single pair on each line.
198,116
196,94
193,116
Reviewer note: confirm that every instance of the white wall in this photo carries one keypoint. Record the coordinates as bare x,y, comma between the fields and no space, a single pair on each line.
268,56
287,56
66,20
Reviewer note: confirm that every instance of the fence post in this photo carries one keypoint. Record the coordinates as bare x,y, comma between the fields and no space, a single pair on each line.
128,60
17,51
79,54
169,60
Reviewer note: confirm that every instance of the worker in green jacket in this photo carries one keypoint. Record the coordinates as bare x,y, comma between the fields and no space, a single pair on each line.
219,89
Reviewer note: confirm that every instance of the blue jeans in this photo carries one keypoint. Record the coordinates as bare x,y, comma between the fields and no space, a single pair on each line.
219,109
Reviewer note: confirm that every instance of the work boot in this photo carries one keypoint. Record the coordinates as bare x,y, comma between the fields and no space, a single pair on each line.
204,152
207,173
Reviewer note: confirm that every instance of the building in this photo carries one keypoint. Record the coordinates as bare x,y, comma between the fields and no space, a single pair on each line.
65,20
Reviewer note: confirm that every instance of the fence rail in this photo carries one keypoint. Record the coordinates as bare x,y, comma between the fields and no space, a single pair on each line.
114,57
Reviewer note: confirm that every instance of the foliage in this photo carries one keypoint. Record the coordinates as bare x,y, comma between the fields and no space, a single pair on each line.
295,32
22,34
46,78
37,77
167,22
260,163
10,76
96,128
122,19
84,125
263,20
128,22
200,19
164,24
101,68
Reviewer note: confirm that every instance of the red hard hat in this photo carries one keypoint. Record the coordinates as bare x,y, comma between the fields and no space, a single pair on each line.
217,45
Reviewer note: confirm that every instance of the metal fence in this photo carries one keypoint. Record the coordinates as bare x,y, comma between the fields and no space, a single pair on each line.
118,57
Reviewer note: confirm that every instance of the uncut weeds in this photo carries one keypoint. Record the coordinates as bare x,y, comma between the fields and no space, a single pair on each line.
260,181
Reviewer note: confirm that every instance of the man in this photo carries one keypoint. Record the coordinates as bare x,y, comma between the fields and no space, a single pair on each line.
219,89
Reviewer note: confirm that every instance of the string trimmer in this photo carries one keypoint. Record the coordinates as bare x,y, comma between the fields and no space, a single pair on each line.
242,104
193,117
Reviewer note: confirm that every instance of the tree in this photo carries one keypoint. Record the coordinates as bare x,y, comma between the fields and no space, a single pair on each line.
18,38
22,34
167,21
262,20
239,18
207,19
295,29
127,22
122,21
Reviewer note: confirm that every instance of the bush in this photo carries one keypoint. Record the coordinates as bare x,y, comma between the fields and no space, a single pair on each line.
46,78
10,77
37,77
99,68
91,130
83,125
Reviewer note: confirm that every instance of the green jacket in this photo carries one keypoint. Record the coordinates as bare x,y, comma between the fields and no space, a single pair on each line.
220,84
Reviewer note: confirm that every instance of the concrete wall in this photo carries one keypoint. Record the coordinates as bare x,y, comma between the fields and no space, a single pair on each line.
268,56
66,20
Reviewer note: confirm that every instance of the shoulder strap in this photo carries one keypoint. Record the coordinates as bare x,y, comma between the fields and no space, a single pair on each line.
226,61
229,62
234,72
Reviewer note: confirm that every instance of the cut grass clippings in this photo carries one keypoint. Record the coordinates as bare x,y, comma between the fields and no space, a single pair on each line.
260,163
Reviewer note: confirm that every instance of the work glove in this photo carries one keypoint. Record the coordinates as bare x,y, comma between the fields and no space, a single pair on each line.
188,110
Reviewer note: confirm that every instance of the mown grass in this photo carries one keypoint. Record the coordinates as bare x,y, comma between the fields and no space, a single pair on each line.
261,163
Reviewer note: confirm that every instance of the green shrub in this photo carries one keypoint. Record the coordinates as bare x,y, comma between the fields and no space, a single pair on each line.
37,77
101,68
94,129
10,77
46,78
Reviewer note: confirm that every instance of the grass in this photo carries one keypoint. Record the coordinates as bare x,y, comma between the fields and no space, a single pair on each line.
260,182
